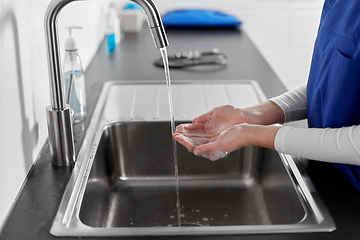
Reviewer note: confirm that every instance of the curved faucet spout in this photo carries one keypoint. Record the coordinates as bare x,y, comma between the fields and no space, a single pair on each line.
53,48
60,128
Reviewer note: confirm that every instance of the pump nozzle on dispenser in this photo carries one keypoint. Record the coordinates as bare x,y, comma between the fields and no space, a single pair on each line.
70,44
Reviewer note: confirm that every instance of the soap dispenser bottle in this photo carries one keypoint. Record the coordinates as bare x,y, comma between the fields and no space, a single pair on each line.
72,65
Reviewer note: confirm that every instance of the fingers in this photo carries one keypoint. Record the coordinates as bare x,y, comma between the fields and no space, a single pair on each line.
190,126
190,143
203,118
209,116
211,151
206,147
185,142
192,130
203,149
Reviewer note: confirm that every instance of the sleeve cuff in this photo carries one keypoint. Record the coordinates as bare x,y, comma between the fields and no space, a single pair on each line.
279,142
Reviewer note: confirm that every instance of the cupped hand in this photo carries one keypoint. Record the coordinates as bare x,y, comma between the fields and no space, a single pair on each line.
218,119
192,135
207,126
226,128
215,147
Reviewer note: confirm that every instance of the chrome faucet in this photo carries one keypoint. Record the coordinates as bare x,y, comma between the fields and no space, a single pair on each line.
61,140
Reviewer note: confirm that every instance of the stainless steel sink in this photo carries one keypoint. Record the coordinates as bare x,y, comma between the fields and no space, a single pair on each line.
123,185
131,184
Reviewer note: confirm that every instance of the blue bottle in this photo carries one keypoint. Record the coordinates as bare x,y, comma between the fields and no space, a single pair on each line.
113,29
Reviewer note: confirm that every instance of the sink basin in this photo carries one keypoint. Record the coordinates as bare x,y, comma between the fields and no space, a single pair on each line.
131,183
123,183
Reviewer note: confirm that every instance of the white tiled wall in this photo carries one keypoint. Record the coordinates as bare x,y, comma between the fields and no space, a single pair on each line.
283,30
24,91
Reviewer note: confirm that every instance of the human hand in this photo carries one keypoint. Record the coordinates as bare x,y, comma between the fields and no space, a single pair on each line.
221,118
217,120
207,126
215,147
231,139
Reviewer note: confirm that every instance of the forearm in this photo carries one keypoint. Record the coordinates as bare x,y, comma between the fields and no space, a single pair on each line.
340,145
290,106
265,113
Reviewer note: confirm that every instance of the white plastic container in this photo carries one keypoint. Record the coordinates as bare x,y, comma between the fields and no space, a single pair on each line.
132,18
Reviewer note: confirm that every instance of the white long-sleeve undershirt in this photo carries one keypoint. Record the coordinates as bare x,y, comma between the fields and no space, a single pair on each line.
336,145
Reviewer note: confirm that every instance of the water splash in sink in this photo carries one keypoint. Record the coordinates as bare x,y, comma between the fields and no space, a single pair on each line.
172,118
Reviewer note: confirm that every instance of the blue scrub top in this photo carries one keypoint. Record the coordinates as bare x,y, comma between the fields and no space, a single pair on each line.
333,90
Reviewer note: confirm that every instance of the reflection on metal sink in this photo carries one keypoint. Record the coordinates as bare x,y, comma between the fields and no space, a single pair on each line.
132,183
123,185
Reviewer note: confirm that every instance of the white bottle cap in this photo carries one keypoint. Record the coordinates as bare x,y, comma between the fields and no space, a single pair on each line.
70,44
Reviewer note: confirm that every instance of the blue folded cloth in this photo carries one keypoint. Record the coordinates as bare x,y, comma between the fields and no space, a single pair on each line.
199,18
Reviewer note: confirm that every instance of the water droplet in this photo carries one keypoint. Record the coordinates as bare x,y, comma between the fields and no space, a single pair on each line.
197,210
205,219
226,215
172,216
182,215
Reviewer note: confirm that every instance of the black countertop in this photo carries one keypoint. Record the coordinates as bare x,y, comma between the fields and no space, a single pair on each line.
38,201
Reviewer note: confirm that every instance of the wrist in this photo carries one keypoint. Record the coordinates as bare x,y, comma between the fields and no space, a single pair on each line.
265,113
244,115
250,115
259,135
